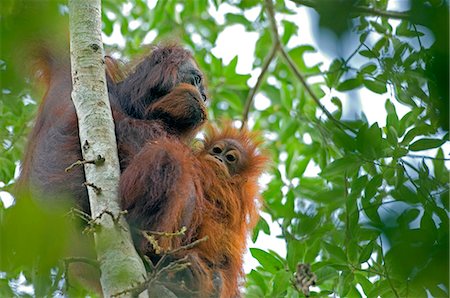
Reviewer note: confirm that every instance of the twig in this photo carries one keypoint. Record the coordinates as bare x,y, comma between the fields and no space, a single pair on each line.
175,266
116,219
150,237
81,214
293,67
418,36
388,278
427,157
97,190
354,268
167,234
188,246
251,94
152,240
360,10
98,161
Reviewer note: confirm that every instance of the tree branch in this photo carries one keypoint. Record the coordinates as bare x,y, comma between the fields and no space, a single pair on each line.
252,92
294,69
359,10
388,278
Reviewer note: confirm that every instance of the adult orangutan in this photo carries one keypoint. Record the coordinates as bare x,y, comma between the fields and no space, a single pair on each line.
163,96
223,172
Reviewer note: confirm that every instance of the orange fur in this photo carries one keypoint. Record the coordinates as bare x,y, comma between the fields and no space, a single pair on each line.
231,205
191,188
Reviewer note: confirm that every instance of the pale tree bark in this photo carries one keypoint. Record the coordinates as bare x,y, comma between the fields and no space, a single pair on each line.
121,267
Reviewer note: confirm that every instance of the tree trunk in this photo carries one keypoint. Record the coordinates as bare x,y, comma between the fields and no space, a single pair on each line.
121,267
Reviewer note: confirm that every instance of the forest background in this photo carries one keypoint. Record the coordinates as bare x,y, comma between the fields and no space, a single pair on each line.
363,198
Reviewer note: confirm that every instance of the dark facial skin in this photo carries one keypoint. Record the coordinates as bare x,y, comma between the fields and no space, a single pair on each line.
229,153
190,74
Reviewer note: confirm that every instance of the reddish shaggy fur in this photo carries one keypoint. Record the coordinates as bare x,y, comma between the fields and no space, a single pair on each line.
226,208
232,205
164,185
54,144
158,100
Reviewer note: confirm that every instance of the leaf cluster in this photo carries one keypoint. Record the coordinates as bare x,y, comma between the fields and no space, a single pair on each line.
365,203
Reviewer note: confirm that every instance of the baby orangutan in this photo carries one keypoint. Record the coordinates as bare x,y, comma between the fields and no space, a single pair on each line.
230,163
212,190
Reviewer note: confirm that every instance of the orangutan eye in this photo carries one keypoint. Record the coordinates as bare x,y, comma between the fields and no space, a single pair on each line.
230,157
217,150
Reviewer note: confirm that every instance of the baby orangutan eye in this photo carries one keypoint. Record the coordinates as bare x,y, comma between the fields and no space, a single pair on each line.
230,157
217,150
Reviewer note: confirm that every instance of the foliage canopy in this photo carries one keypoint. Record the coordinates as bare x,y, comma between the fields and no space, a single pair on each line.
364,202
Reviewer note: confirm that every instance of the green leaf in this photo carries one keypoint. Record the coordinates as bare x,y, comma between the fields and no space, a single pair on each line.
368,54
258,279
281,282
427,224
297,54
295,253
403,30
300,168
268,261
363,37
364,281
407,217
262,225
290,29
246,4
378,27
368,68
440,171
381,289
349,84
366,252
403,193
424,144
336,252
392,136
324,273
342,166
232,18
375,86
334,73
372,186
345,282
392,118
370,142
371,210
421,129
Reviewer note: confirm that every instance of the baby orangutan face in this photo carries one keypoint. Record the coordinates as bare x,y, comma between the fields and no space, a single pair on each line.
229,156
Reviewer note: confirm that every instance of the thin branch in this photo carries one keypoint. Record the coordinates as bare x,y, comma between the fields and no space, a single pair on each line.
388,278
252,93
370,271
427,157
293,67
188,246
418,36
360,10
158,270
